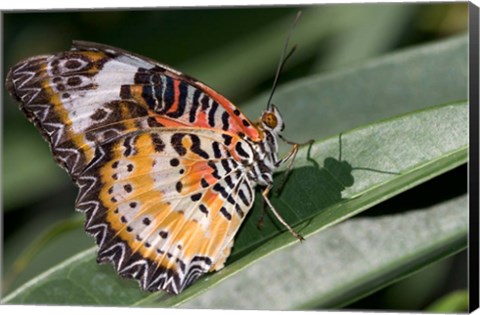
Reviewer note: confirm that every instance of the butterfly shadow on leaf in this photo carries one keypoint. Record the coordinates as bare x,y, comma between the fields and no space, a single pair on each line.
307,191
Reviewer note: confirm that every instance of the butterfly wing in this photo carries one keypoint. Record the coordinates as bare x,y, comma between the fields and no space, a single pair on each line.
164,205
94,92
156,154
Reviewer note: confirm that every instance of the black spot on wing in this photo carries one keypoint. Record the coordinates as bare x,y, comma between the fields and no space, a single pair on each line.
226,165
194,106
204,183
239,149
204,102
203,209
196,147
72,64
168,95
212,165
217,153
211,114
157,142
182,100
179,186
243,198
99,114
227,139
225,122
225,213
128,188
176,142
129,146
174,162
196,197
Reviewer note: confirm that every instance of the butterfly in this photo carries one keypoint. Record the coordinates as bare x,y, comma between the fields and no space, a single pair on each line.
166,167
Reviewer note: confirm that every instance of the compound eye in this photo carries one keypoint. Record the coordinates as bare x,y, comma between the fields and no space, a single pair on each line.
270,120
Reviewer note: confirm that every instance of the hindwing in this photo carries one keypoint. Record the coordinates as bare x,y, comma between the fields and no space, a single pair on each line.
164,205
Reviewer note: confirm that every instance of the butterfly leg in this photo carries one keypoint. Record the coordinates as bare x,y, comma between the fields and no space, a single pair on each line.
290,157
277,215
293,152
260,220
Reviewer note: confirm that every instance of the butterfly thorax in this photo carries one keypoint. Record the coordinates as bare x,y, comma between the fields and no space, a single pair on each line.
265,152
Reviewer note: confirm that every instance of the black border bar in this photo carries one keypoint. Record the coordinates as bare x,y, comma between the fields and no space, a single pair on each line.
473,247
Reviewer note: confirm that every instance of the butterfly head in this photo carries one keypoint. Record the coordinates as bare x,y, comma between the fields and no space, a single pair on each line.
272,120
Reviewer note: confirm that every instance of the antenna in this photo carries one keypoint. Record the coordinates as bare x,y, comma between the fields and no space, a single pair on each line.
283,59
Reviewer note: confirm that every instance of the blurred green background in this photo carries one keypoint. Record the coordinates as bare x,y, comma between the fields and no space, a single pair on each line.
233,50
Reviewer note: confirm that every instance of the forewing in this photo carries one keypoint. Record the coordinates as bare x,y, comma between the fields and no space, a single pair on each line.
94,93
165,205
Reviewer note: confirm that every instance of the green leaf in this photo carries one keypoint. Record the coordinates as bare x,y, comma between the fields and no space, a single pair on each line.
415,291
377,161
372,34
455,302
65,236
20,183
